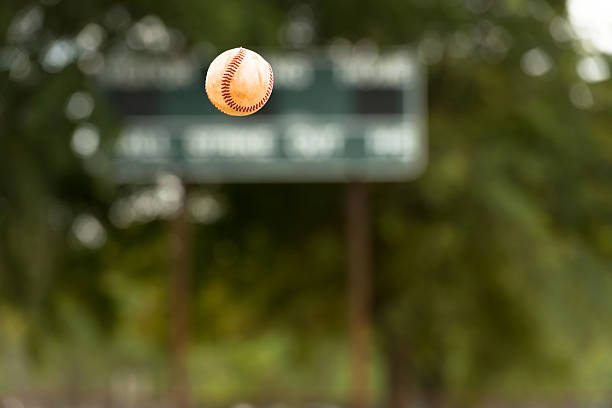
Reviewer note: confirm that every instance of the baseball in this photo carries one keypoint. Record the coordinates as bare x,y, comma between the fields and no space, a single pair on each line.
239,82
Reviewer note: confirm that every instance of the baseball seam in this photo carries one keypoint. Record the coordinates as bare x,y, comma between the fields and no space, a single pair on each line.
226,80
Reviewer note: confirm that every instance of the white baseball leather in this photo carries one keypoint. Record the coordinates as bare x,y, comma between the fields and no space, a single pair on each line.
239,82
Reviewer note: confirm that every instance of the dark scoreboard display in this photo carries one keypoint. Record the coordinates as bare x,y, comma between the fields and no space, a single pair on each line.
154,102
330,118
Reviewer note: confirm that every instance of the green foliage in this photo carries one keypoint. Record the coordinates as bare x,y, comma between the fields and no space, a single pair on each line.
491,270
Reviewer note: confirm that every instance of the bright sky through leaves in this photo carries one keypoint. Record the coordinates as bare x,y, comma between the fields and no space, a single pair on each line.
592,20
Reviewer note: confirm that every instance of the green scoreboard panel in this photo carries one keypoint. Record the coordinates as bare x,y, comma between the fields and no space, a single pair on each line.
330,118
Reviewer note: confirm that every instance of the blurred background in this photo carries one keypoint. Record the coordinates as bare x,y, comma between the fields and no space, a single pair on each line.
482,279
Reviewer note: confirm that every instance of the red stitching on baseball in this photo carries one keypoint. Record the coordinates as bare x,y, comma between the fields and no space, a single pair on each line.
226,80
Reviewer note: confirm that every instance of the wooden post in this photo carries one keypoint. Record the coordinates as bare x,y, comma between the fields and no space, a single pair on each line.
179,278
359,292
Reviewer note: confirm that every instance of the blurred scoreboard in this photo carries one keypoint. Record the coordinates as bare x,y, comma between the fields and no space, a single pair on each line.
331,117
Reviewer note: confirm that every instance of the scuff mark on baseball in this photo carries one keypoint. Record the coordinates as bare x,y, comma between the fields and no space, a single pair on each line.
239,82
